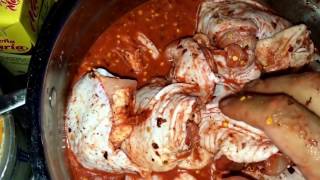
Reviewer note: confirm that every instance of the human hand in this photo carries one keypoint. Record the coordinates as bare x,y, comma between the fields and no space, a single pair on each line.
287,121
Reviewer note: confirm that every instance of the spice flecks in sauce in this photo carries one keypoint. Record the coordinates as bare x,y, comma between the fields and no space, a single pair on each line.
161,21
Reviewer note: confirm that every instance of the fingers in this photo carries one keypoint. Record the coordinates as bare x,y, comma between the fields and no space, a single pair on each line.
251,109
305,88
295,130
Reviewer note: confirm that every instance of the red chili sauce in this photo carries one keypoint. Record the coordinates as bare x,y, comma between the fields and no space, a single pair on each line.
162,21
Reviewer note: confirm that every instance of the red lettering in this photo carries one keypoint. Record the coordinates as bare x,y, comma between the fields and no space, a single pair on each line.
10,4
13,47
7,47
21,48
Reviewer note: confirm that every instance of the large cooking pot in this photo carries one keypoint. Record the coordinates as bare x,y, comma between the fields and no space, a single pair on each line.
69,32
71,29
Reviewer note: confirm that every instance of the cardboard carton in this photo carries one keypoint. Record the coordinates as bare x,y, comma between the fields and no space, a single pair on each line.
20,23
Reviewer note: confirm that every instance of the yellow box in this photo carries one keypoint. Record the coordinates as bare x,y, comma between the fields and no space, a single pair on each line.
20,22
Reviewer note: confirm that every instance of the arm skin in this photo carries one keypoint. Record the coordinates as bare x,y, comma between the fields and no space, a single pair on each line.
294,129
305,88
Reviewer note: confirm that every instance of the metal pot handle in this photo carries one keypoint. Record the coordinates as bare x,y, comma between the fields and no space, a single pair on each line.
12,101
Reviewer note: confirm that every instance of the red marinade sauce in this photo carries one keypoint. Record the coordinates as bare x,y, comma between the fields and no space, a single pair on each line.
162,21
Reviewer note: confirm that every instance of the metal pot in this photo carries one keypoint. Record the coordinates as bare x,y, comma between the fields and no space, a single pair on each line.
69,32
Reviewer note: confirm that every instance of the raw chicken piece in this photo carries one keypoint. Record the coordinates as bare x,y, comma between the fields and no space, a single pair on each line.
256,3
239,22
95,107
267,23
236,140
235,178
121,93
236,66
225,31
219,17
190,66
137,50
191,69
180,176
222,135
184,176
145,95
285,175
197,157
145,41
235,26
204,66
289,48
156,143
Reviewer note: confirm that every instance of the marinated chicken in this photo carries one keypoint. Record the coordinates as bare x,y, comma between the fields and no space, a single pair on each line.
164,129
291,47
95,107
236,140
249,18
191,66
137,51
176,123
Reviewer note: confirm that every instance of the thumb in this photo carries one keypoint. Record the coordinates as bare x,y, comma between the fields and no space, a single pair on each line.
252,108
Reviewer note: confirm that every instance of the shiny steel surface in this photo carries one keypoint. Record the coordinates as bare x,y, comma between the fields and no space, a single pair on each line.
86,22
300,11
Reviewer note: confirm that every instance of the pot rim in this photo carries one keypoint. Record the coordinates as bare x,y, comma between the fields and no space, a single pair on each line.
49,34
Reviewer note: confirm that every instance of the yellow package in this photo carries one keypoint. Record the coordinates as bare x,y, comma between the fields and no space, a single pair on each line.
20,22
